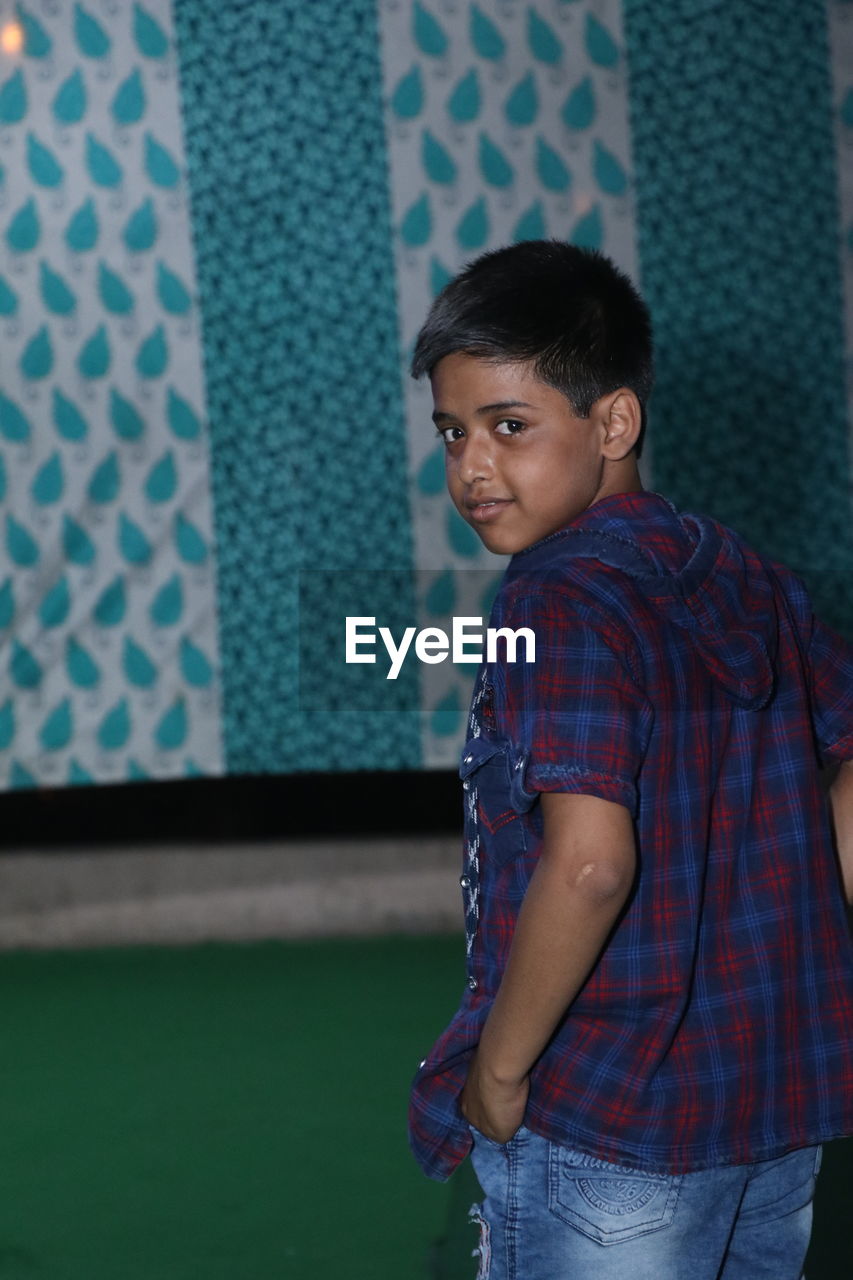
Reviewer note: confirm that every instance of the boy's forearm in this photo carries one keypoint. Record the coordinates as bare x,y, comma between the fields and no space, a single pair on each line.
841,801
575,895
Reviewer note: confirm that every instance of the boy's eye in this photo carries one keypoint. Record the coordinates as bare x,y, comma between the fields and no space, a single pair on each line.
449,434
509,426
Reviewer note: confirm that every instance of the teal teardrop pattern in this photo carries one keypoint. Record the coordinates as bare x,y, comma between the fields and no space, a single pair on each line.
105,481
430,478
14,423
77,546
95,355
114,293
133,544
83,228
78,776
71,100
138,667
20,778
55,606
13,98
486,36
428,32
189,541
407,100
196,667
111,606
171,732
57,295
57,730
183,420
7,604
82,669
167,607
153,354
114,729
441,595
21,546
552,171
128,104
545,44
37,43
49,483
24,229
465,101
161,483
107,601
579,108
141,229
160,164
103,168
151,39
416,227
7,724
439,165
37,356
9,300
522,105
473,228
70,423
510,124
173,295
125,418
45,170
494,166
24,670
92,39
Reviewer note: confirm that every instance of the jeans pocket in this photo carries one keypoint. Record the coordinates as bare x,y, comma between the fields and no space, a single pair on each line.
519,1136
608,1202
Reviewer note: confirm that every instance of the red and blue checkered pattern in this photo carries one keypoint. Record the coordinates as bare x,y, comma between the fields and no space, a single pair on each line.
680,674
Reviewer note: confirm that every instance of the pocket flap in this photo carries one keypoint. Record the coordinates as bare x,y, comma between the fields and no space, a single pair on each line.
475,753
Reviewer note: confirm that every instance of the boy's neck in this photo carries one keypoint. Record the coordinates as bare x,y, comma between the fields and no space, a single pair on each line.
620,477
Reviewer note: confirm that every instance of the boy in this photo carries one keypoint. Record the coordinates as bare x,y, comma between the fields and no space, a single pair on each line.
657,1029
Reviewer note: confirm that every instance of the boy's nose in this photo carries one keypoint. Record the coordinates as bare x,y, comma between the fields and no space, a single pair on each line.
476,460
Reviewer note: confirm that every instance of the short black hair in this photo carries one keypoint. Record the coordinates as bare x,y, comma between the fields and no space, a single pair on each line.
569,312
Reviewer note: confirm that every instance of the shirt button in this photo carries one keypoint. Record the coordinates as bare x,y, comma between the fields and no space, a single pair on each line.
465,882
472,983
468,759
466,785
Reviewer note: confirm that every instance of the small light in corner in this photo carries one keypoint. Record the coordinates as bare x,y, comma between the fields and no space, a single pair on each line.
11,37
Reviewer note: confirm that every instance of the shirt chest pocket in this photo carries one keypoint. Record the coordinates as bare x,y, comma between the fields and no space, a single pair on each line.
493,776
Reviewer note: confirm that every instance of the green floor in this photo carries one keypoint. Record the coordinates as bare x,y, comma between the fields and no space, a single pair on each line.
239,1112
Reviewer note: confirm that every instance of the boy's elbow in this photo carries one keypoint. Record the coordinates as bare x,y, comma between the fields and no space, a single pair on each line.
604,881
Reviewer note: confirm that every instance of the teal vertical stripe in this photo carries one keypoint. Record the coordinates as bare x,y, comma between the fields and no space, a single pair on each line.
291,219
738,238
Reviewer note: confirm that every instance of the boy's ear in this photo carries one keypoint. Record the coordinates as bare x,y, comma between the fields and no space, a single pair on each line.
620,420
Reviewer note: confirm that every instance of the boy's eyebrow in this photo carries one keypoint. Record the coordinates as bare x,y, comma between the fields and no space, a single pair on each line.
498,407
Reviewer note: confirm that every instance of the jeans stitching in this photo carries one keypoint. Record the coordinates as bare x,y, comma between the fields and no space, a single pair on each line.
513,1211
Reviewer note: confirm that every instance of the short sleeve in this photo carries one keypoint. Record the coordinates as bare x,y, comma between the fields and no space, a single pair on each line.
831,663
577,708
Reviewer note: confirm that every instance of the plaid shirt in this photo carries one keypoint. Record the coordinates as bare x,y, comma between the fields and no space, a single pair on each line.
682,676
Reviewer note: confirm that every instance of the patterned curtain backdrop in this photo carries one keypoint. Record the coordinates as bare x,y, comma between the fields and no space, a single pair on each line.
221,228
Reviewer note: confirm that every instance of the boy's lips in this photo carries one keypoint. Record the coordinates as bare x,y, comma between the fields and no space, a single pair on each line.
482,509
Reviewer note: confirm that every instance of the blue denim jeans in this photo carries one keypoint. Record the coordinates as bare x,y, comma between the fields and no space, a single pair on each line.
551,1213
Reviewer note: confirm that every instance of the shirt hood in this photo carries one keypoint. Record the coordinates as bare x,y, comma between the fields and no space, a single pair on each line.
694,571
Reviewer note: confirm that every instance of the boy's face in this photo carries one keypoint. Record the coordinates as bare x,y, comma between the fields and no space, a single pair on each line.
519,464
